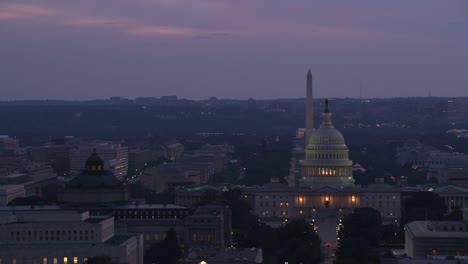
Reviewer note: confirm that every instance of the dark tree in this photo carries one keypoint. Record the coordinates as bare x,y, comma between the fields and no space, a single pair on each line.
423,206
166,252
359,237
299,244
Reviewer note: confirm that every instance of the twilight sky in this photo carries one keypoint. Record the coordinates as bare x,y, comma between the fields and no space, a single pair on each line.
87,49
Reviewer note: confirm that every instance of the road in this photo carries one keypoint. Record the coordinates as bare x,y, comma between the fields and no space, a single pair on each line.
326,222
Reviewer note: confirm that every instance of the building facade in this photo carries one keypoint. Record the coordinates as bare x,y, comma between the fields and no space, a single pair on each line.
51,235
94,185
115,157
425,238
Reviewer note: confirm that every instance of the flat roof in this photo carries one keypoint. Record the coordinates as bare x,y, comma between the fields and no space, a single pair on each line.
422,229
151,206
119,239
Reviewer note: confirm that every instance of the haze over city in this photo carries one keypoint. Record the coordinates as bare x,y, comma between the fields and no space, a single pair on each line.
81,50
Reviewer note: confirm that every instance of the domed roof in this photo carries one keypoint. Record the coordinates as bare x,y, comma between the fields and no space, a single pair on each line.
94,164
327,134
94,159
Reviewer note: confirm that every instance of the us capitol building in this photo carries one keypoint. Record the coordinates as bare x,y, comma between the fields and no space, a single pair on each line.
326,182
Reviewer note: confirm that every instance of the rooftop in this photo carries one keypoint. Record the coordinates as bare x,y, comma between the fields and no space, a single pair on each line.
429,229
119,239
453,187
151,206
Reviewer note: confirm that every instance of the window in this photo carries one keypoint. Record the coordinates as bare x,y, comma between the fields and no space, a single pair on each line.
75,260
65,260
44,261
147,237
13,261
55,261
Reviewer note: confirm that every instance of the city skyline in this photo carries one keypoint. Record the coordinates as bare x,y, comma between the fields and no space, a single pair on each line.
232,49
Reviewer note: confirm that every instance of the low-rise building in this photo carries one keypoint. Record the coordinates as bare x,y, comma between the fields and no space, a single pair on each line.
115,157
278,201
454,196
94,185
425,238
52,235
192,195
171,175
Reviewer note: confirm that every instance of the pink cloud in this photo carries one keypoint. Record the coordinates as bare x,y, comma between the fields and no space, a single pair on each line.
22,11
91,20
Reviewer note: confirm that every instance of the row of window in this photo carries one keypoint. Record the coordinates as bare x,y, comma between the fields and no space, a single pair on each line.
55,260
51,235
281,204
148,217
456,198
154,236
379,197
372,204
328,171
274,196
201,236
452,228
327,156
148,212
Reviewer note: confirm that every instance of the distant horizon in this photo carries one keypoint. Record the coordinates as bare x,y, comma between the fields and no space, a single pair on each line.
236,99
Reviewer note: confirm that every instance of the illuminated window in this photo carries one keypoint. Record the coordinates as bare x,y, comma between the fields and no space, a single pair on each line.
75,260
55,261
85,260
65,260
44,261
353,198
194,237
156,237
434,252
13,261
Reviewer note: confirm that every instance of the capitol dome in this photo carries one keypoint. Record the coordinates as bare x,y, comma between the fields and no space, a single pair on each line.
327,157
326,136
